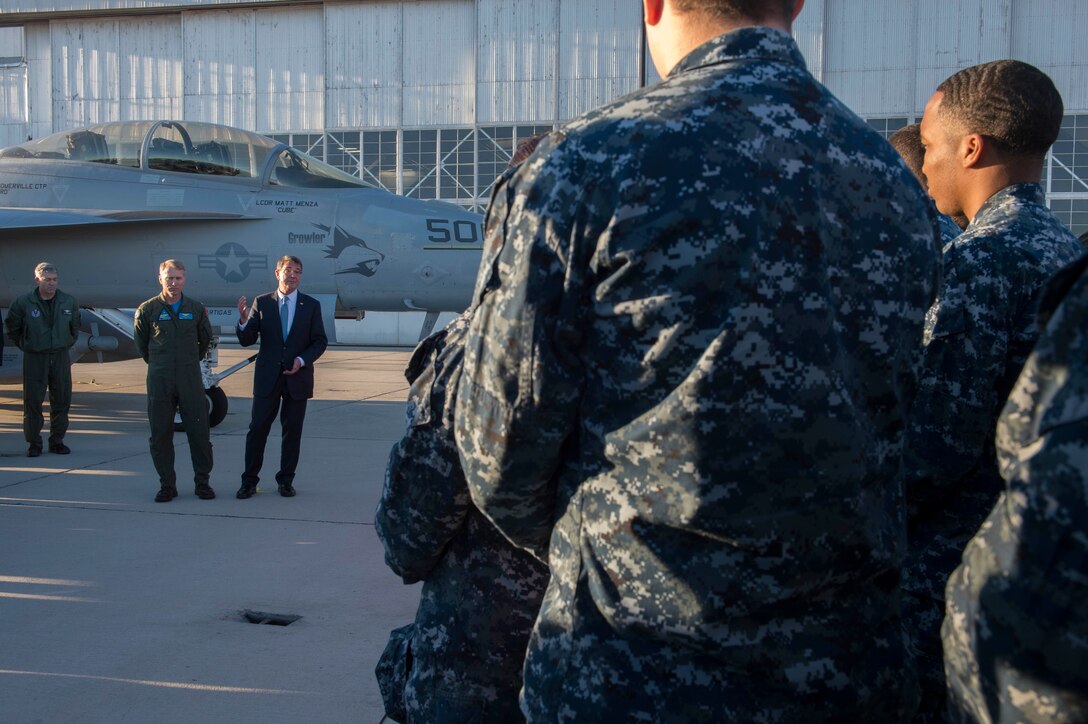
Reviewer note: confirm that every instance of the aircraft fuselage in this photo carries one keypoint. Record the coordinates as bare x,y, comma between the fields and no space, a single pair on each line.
107,226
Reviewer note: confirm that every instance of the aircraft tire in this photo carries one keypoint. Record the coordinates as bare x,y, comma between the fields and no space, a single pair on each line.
217,409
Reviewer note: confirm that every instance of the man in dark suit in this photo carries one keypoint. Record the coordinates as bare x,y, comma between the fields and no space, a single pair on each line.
292,336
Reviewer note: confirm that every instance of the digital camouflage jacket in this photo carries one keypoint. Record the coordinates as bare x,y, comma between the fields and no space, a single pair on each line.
1016,628
480,594
700,323
978,335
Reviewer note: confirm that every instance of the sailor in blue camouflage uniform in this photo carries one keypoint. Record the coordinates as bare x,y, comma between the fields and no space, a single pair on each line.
1016,629
685,387
986,130
480,594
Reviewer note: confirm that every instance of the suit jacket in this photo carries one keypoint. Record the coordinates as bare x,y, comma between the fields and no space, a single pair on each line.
305,339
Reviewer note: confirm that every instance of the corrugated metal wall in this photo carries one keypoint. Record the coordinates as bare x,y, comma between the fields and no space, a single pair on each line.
39,71
290,69
85,72
808,31
13,126
439,64
872,69
1059,47
886,58
517,48
364,55
435,63
220,71
150,67
598,44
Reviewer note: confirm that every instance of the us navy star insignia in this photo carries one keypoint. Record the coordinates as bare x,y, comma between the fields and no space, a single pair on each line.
233,262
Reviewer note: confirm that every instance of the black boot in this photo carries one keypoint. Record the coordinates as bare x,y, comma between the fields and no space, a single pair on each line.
166,494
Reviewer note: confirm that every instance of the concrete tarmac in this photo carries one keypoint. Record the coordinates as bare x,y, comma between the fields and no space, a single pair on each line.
114,608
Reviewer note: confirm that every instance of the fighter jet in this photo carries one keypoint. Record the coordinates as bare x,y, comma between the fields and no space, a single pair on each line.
107,203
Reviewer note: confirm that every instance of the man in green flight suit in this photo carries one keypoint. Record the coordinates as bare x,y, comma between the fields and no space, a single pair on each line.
172,333
44,323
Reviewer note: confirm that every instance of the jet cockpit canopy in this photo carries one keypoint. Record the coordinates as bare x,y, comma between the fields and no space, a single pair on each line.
187,147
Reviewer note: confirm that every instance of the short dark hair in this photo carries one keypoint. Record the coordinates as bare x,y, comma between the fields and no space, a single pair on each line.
907,141
1011,102
737,9
288,259
525,149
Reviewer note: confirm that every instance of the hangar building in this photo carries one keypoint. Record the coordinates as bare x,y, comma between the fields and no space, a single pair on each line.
428,97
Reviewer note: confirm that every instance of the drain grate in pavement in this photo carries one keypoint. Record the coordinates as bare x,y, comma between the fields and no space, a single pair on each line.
271,619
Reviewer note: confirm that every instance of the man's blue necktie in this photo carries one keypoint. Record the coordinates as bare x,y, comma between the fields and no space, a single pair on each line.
283,316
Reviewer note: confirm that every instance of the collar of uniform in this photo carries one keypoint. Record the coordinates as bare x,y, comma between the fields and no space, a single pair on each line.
167,303
1016,194
743,44
1026,193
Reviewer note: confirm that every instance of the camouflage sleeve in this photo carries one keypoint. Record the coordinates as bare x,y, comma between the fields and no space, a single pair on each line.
424,499
522,380
1016,631
952,418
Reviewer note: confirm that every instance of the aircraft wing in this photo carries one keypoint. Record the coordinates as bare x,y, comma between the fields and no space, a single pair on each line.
49,218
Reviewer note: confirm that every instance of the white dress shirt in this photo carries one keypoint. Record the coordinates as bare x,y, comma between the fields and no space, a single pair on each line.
292,300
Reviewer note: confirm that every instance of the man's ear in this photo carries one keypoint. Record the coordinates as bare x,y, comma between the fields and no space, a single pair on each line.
797,5
652,10
972,148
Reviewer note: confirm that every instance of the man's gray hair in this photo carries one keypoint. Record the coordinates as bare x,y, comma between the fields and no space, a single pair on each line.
44,268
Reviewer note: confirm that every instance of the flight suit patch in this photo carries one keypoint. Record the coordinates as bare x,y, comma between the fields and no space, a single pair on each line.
185,315
164,316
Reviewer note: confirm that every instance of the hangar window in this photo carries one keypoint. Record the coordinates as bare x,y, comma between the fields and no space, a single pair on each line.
419,159
497,145
297,170
1066,173
1069,156
887,126
459,165
312,144
378,158
343,151
440,164
1073,213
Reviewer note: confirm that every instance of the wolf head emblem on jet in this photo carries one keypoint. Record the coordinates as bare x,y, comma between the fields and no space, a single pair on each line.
347,249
